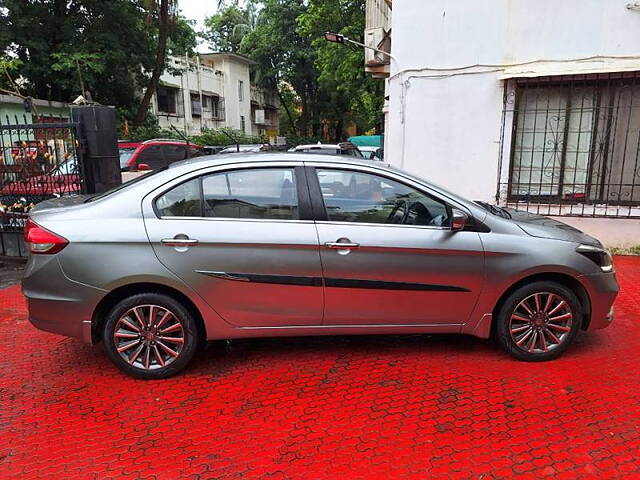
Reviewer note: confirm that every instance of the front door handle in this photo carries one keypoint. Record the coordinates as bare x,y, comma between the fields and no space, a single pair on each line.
179,242
341,245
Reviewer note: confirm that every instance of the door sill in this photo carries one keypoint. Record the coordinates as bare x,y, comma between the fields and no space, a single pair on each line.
393,325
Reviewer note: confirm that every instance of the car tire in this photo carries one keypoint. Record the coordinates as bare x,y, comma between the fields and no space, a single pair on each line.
152,349
537,322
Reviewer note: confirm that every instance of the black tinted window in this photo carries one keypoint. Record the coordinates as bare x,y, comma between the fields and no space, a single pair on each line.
267,193
351,196
181,201
173,153
152,156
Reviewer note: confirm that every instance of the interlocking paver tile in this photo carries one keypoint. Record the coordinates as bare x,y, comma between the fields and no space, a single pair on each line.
376,407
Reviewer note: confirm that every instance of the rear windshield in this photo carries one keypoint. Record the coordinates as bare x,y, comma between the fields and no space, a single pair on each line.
138,179
125,155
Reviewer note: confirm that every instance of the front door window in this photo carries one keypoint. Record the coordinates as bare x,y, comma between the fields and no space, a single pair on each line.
359,197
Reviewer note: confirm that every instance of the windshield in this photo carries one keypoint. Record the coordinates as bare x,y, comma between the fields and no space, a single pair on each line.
141,177
125,155
494,209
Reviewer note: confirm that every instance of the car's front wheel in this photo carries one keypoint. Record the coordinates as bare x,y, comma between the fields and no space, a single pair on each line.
537,322
150,336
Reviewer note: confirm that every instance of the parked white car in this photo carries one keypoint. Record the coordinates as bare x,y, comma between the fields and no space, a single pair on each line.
344,148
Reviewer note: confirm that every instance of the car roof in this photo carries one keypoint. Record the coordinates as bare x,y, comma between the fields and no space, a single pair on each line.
327,146
125,144
268,157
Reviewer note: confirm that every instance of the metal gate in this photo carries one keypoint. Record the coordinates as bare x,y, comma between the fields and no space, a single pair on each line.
39,160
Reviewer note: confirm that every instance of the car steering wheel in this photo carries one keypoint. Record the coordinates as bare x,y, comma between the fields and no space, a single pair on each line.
396,207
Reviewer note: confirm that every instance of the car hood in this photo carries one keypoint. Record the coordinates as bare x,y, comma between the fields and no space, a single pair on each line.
545,227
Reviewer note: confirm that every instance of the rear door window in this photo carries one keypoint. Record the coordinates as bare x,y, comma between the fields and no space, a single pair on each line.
260,193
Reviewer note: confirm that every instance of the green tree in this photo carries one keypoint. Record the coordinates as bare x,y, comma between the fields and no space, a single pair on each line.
111,40
77,62
225,29
286,61
320,84
352,96
164,14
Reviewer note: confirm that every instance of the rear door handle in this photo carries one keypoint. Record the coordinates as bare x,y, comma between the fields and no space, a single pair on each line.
341,245
179,242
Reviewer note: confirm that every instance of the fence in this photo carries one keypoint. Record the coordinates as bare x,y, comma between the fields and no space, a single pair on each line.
573,145
38,161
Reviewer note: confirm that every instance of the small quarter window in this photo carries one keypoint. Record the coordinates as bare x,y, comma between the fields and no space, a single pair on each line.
181,201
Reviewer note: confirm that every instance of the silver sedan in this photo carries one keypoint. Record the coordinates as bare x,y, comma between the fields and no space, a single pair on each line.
259,245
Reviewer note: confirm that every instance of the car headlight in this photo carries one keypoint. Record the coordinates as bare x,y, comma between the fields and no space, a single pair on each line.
597,255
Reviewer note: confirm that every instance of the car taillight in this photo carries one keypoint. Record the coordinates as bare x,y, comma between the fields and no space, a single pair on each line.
42,241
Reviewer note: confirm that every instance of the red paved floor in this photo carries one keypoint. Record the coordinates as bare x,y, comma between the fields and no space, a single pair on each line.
360,407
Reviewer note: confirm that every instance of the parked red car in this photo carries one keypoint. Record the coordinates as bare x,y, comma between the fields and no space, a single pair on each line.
156,153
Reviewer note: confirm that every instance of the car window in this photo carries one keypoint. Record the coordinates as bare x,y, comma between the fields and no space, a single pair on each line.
173,153
358,197
351,152
320,151
152,156
195,152
266,193
125,155
181,201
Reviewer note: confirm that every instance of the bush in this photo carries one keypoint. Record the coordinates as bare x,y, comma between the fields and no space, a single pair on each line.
148,130
223,137
295,140
215,137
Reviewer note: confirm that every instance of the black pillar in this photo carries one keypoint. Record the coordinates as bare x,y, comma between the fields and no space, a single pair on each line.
99,159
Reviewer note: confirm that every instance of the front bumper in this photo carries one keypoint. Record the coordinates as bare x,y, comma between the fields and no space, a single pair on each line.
602,289
56,303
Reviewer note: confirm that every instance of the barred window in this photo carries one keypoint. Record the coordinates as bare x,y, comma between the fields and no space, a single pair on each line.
576,139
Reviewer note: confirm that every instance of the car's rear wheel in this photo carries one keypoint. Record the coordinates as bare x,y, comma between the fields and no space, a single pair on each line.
537,322
150,336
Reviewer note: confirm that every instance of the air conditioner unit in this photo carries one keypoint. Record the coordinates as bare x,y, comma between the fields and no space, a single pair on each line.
376,38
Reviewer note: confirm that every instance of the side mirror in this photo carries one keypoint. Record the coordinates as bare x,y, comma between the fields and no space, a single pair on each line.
143,166
458,220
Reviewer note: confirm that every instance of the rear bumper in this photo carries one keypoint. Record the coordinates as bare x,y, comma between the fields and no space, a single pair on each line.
56,303
602,289
52,316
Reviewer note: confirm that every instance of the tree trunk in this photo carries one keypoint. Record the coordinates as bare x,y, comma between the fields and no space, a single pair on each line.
286,109
161,55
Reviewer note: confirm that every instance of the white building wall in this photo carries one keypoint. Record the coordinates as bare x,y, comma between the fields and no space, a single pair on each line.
445,111
236,108
221,79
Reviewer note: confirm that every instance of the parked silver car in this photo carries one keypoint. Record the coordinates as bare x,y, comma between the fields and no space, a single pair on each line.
282,244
